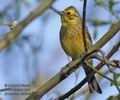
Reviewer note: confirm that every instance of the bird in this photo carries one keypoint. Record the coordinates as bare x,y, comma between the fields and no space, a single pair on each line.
71,40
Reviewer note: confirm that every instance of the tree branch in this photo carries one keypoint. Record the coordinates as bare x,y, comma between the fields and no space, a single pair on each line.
84,25
13,34
77,87
69,68
117,97
108,36
98,72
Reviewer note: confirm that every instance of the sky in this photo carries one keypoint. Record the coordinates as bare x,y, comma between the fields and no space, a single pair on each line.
43,56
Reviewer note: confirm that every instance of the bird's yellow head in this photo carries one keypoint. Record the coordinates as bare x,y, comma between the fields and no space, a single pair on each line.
70,16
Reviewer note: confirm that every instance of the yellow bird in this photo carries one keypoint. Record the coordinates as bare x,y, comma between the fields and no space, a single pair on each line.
72,40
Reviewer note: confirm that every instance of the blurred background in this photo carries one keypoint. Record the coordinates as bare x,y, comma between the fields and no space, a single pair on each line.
36,55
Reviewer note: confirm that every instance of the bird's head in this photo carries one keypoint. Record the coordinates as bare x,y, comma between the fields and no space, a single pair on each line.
70,16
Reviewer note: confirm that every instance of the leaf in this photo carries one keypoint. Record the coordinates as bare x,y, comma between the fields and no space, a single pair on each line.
114,82
95,34
110,98
112,3
116,76
1,23
97,22
116,97
39,0
100,3
4,89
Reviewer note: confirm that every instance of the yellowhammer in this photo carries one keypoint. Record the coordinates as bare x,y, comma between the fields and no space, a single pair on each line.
72,40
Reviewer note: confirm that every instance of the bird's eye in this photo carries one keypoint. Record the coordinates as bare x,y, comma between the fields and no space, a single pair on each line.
68,13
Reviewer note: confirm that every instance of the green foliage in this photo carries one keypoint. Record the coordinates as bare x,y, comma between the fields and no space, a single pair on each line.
115,82
117,76
97,22
114,97
109,6
4,89
1,22
112,3
110,98
95,34
100,3
39,0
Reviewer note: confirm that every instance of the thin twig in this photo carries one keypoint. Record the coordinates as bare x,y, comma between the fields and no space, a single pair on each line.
99,66
55,10
77,87
84,25
98,72
42,90
5,89
104,60
85,89
115,49
13,34
117,87
72,66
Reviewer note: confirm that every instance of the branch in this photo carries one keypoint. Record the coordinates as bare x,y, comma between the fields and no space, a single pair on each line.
113,63
86,89
68,69
55,10
117,86
108,36
83,25
77,87
117,97
114,49
13,34
98,72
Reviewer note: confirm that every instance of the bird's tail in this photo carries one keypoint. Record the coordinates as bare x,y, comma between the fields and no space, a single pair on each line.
92,83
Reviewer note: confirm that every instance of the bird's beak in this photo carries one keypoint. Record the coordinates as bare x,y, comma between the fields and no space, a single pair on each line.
60,13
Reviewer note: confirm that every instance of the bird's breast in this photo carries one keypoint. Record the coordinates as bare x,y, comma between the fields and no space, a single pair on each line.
72,41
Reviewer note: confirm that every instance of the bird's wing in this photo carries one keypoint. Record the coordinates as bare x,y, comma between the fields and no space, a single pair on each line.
89,40
88,35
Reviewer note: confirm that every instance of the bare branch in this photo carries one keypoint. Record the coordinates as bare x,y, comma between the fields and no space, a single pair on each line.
42,90
100,73
77,87
108,36
13,34
84,25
